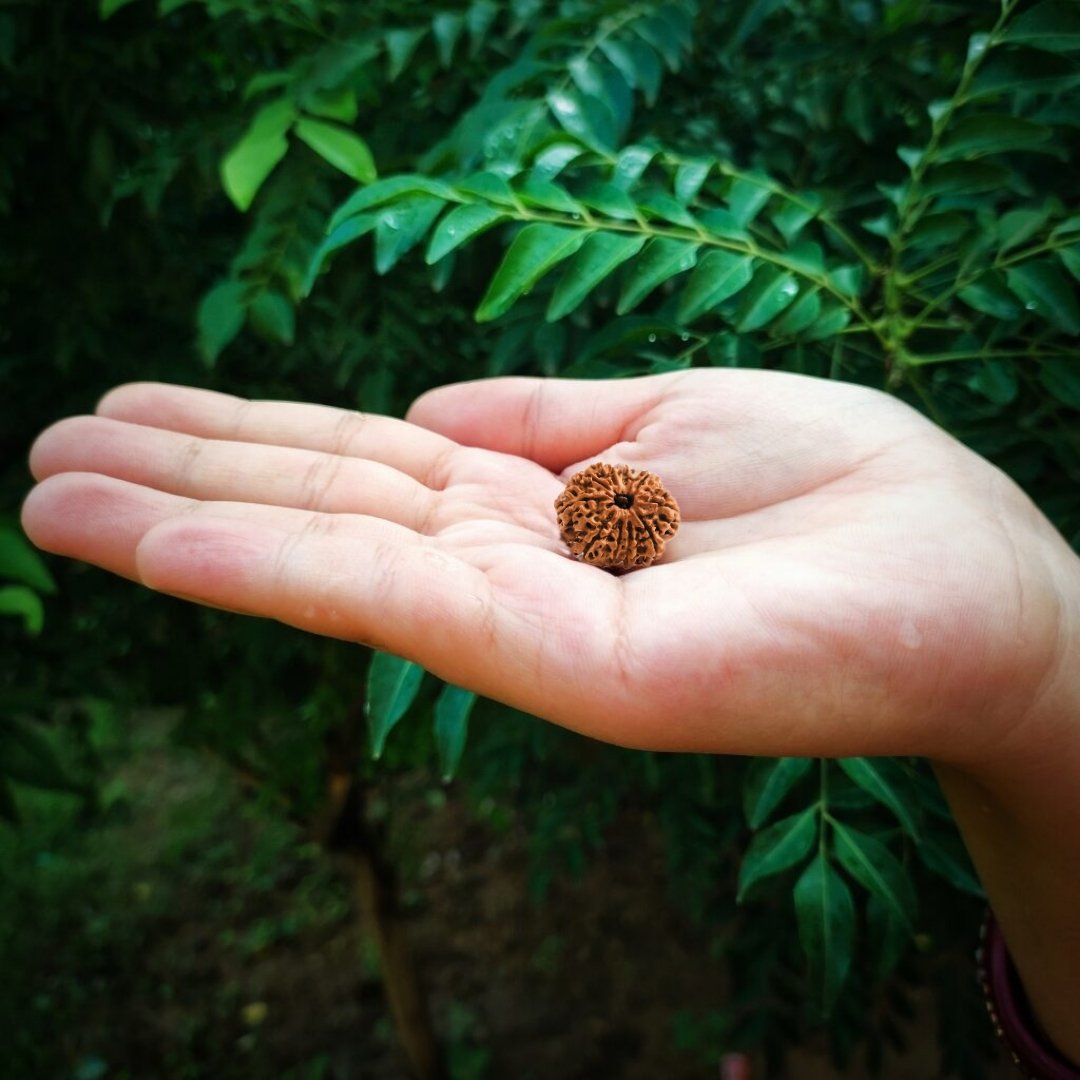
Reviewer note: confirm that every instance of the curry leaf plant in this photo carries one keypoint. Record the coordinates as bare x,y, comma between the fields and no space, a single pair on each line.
881,191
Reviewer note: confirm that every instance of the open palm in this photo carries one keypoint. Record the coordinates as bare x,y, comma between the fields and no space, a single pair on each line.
847,579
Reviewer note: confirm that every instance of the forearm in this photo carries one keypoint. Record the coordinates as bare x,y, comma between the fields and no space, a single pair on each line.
1020,818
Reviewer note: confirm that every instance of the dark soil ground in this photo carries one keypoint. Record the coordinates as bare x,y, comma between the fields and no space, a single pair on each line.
191,936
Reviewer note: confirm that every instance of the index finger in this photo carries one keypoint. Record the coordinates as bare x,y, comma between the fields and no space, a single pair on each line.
414,450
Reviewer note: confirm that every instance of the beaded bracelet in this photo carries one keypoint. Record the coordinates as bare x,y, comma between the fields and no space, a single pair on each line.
1010,1013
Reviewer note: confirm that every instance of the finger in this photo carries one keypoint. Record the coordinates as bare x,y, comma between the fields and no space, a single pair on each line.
495,620
419,453
216,470
101,520
458,619
554,422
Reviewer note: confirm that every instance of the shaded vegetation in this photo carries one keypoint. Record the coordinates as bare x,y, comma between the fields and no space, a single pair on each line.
350,203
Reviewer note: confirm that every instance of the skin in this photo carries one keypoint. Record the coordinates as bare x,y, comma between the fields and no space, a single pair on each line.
847,580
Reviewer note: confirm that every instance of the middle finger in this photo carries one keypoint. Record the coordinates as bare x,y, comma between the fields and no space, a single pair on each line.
219,470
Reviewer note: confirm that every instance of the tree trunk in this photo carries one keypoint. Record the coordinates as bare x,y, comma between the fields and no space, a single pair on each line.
349,836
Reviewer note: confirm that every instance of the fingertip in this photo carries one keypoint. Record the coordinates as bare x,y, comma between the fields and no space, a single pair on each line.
554,422
158,404
55,508
439,407
50,447
32,515
118,401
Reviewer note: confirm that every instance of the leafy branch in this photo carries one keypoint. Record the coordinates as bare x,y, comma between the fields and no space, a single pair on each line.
651,240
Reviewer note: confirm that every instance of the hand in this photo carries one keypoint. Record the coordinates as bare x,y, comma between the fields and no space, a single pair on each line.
847,579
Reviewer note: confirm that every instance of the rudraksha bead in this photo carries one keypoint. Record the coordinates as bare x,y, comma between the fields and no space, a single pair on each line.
615,517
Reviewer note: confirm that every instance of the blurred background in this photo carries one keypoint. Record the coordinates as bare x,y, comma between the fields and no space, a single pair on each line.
229,849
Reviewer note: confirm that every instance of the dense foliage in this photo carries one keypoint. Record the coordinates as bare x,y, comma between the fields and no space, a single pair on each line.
352,202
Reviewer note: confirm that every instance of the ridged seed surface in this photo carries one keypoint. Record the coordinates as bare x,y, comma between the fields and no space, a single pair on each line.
615,517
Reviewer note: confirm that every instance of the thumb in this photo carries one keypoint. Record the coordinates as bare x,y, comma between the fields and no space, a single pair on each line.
554,422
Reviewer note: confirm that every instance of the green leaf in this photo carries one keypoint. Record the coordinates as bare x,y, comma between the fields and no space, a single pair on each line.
625,337
273,317
753,14
679,24
447,27
826,918
720,274
392,687
833,319
220,318
791,218
401,226
339,104
1069,225
400,46
800,316
996,380
460,226
990,133
343,149
554,158
535,250
807,257
609,200
849,280
488,186
258,84
947,857
27,758
543,193
965,178
602,82
108,8
1053,25
874,867
599,256
660,35
1044,289
889,938
990,295
345,233
660,205
721,223
588,119
388,190
1025,71
770,292
24,602
479,19
253,158
767,783
20,562
637,63
452,709
689,178
935,231
777,848
1019,225
630,164
1071,258
662,259
884,780
745,198
1061,376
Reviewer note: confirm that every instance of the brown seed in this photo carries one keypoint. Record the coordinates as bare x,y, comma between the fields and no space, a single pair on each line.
616,517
